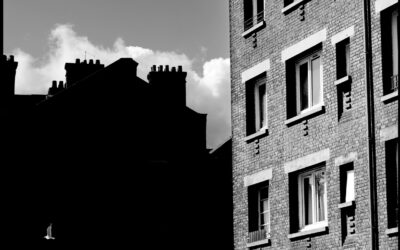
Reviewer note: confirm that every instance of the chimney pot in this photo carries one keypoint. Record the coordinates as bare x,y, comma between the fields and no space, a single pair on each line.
11,58
84,61
173,69
61,85
97,61
91,61
153,68
179,68
166,68
160,68
78,61
54,84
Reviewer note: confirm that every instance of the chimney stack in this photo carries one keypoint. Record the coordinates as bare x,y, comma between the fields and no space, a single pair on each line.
54,89
79,70
8,68
169,86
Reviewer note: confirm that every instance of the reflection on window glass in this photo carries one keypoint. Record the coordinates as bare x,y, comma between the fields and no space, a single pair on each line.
350,186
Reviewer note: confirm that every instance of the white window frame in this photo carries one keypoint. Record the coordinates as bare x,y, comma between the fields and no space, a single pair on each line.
257,106
308,59
350,186
255,11
248,77
266,225
301,203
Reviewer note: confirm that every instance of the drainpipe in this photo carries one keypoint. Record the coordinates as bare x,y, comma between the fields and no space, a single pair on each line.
371,124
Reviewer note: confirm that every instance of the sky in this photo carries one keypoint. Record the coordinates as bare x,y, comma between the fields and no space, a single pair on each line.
45,34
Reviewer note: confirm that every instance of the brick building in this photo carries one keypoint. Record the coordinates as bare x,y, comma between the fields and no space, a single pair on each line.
314,123
110,160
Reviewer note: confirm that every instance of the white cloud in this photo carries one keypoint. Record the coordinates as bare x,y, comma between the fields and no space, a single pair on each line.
208,92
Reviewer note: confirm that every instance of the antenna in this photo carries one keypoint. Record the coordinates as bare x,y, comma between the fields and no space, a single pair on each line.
89,54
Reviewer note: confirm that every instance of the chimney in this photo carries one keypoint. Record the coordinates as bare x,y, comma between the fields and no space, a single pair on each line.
169,85
8,68
60,86
54,89
79,70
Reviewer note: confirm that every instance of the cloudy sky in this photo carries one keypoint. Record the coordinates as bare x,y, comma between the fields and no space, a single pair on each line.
44,34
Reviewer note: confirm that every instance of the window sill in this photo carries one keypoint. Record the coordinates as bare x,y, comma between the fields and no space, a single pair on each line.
308,232
261,132
343,80
291,6
253,29
312,111
392,231
346,204
390,97
258,243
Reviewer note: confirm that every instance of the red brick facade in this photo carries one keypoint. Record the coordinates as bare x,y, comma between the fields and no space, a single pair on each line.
333,135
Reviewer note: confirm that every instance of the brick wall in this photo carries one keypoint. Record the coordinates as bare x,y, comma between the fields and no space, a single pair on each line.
285,143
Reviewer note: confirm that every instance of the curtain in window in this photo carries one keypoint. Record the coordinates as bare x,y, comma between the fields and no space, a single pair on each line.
316,81
320,188
304,86
262,103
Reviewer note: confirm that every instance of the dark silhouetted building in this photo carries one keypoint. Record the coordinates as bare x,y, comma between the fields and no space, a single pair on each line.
113,161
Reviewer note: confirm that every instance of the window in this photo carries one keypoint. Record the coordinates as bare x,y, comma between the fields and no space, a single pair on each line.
343,58
253,13
390,49
256,104
304,83
259,212
308,82
349,186
264,210
347,204
311,199
347,193
392,168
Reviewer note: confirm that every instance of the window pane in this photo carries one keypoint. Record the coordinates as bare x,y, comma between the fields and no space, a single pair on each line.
392,169
350,186
255,10
264,213
316,81
264,208
261,101
347,59
248,14
320,190
303,86
263,193
260,9
307,202
395,45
